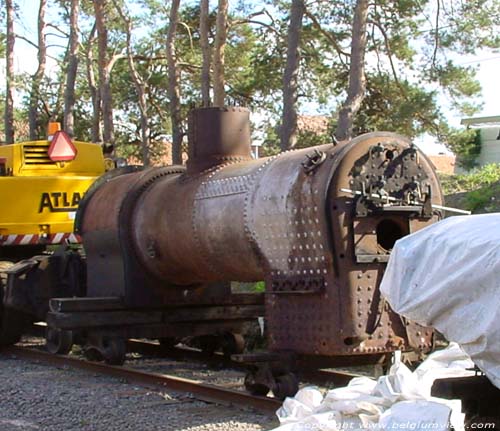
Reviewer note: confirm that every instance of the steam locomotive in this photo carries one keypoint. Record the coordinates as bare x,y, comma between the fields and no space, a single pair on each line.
316,225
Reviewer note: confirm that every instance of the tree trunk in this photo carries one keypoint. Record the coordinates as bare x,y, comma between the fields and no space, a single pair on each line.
140,87
357,79
37,78
220,44
57,107
10,86
104,72
69,91
205,51
288,135
96,132
173,85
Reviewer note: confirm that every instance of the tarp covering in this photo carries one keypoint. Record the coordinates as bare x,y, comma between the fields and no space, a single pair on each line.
447,276
400,400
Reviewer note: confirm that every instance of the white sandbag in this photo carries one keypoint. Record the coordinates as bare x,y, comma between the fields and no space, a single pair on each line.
372,404
416,416
357,395
399,384
302,405
449,362
446,276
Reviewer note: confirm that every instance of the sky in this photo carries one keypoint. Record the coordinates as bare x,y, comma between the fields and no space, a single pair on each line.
488,64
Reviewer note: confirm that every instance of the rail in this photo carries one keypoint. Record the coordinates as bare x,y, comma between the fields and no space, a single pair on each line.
199,390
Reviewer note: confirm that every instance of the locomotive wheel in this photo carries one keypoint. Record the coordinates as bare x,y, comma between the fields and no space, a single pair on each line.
111,350
58,341
168,342
232,344
286,385
114,350
254,387
92,354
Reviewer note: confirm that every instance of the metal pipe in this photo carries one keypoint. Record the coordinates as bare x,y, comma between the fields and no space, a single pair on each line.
392,199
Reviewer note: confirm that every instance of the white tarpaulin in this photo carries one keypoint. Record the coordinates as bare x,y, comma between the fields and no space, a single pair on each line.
400,400
447,276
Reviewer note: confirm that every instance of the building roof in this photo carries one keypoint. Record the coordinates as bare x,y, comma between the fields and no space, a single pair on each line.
443,163
313,123
481,121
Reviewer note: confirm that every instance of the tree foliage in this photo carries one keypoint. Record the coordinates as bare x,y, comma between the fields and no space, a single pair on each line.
466,144
412,66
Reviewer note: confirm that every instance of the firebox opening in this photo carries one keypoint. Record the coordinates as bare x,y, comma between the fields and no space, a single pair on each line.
388,232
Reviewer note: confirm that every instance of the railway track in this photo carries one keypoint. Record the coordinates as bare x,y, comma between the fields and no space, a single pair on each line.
199,390
217,360
316,376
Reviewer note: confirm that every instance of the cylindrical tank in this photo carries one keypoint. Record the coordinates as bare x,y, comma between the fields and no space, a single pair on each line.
217,135
316,224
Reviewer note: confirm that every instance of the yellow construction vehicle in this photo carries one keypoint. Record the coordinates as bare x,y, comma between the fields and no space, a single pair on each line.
41,184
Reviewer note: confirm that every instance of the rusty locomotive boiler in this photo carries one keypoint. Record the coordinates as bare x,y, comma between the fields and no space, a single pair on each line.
317,225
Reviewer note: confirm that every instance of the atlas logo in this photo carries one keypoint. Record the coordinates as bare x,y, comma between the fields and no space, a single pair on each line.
57,202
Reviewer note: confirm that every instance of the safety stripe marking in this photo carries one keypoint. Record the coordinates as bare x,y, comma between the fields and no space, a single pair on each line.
27,239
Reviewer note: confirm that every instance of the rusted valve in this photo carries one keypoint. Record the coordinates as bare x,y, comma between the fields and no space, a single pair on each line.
313,161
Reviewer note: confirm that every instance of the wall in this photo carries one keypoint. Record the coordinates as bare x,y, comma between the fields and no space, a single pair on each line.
490,146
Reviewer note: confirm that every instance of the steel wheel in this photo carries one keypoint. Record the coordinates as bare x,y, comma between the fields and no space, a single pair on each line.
114,350
253,387
58,341
232,344
92,354
286,385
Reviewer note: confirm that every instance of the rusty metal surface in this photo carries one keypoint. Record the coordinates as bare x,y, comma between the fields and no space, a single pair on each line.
108,176
98,225
288,220
217,135
204,216
366,322
113,266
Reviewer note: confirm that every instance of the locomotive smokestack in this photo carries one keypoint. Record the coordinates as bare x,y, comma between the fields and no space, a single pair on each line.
217,135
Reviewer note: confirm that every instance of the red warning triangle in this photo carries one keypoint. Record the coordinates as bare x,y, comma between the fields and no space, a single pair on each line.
61,148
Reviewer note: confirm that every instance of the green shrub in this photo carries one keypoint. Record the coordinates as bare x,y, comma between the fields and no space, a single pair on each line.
466,144
483,199
260,286
476,179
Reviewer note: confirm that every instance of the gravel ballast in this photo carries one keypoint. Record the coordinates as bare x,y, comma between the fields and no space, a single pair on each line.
40,397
